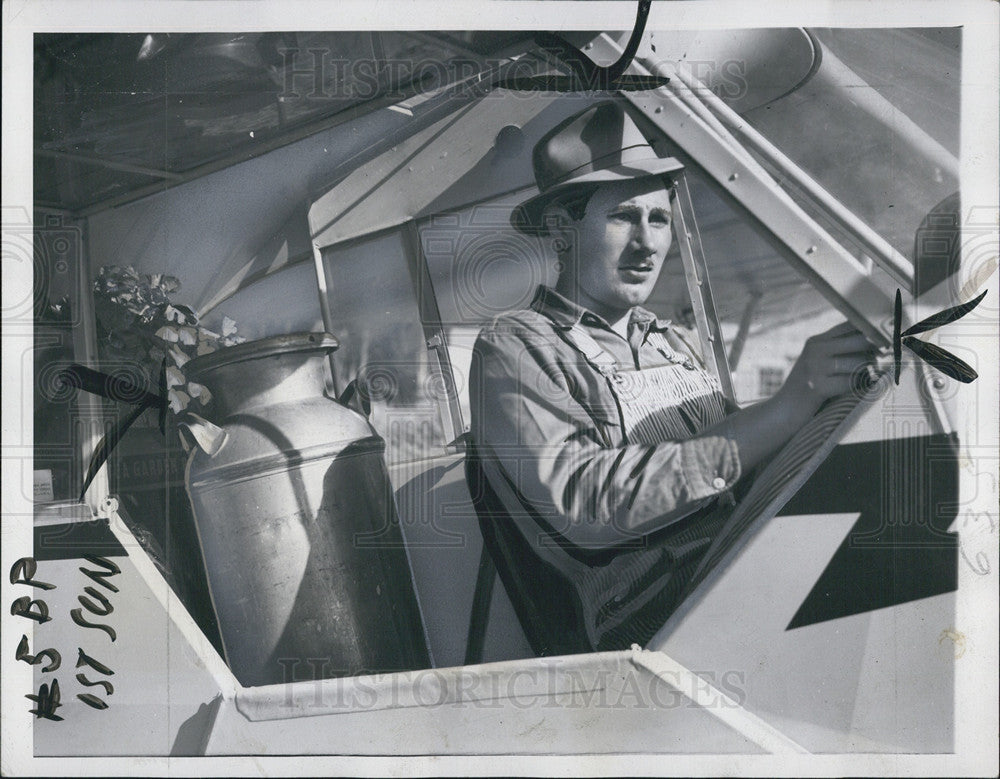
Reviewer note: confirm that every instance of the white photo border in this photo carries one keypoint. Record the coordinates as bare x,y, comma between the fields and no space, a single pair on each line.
976,673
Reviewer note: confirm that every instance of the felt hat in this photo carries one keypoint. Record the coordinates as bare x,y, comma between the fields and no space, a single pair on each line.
600,144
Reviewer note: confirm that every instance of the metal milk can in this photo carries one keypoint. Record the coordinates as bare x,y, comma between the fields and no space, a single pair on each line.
296,521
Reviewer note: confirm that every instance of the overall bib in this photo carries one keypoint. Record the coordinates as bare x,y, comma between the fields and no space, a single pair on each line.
667,403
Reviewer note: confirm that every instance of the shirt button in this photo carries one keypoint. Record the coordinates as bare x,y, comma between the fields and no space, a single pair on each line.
719,483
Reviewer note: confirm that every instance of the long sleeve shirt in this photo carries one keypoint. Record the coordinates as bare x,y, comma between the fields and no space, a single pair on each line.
547,428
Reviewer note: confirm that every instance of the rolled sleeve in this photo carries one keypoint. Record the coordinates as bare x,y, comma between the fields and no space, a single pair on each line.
543,434
711,465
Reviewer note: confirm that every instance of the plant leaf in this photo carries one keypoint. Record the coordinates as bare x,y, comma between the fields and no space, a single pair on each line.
174,377
200,391
178,400
168,334
178,356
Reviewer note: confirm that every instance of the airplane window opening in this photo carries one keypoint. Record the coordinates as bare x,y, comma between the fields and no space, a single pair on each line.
771,380
384,346
766,307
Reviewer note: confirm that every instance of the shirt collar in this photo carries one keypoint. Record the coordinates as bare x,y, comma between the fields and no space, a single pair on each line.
648,320
565,313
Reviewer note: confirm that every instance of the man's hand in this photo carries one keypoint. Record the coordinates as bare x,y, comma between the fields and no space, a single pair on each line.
826,368
829,364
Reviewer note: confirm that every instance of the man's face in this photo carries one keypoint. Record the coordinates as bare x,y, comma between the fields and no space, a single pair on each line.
621,243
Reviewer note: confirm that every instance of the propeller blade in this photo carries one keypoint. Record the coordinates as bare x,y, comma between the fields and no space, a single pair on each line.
943,360
944,317
897,347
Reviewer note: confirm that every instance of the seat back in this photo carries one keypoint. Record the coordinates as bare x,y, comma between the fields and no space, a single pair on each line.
545,603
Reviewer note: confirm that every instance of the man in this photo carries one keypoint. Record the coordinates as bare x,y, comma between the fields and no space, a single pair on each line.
605,456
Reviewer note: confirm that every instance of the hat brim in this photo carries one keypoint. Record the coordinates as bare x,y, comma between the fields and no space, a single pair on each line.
527,217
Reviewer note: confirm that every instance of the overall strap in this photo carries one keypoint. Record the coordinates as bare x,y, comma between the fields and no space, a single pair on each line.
600,360
595,355
674,336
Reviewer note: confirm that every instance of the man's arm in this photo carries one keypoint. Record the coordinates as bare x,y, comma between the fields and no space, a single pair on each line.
826,368
544,443
534,434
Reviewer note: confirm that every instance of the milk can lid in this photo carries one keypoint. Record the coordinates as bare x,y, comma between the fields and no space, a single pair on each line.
262,347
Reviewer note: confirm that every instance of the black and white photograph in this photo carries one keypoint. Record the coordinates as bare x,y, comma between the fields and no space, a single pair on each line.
515,387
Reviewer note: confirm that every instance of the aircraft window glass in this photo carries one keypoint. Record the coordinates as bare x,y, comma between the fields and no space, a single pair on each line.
871,127
771,380
256,313
766,309
479,268
382,341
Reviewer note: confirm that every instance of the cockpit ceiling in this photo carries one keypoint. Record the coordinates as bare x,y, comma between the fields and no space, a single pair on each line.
124,114
118,116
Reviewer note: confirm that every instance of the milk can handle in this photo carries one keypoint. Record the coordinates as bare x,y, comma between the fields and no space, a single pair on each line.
355,396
